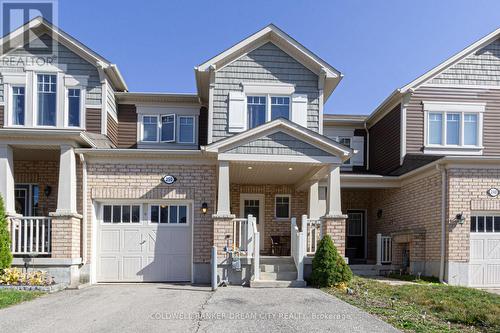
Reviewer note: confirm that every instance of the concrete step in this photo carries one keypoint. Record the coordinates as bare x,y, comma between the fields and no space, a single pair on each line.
369,272
277,284
363,267
278,268
272,260
288,276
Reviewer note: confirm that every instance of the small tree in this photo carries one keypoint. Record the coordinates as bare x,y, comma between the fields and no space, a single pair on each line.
328,267
5,254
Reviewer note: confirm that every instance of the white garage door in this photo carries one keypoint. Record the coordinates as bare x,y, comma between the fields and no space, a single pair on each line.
144,242
484,265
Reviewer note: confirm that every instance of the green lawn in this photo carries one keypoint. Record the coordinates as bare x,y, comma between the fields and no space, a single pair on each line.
426,307
11,297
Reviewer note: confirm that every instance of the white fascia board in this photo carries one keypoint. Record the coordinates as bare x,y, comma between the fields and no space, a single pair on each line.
453,106
279,158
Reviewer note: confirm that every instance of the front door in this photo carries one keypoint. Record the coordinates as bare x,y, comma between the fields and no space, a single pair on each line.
355,236
26,196
253,204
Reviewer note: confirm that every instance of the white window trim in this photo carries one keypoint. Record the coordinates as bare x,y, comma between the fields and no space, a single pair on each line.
445,108
268,97
168,224
157,128
289,196
265,88
9,92
348,162
175,128
59,91
82,107
179,130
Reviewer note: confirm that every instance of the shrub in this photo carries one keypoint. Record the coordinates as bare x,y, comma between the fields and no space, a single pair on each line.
328,267
15,276
5,254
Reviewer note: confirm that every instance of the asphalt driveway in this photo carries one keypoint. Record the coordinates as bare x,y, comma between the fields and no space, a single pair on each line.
178,308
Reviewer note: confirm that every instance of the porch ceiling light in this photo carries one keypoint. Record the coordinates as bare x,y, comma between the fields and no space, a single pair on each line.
250,168
290,169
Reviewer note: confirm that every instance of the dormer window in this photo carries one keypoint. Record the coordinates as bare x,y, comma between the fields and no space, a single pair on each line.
18,105
47,100
168,128
150,129
280,107
186,129
256,106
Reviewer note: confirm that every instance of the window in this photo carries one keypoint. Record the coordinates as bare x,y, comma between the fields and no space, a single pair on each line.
355,224
489,223
453,129
470,129
435,128
74,107
121,214
168,128
168,214
47,87
280,107
282,207
150,128
186,129
346,142
256,107
18,102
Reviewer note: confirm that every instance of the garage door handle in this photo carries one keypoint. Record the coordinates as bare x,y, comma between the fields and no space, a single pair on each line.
142,242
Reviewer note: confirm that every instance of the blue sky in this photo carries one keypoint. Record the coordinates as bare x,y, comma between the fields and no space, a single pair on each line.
378,45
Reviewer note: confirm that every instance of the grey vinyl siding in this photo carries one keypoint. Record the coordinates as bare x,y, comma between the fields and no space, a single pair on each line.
278,144
1,116
75,66
267,63
480,68
385,143
491,120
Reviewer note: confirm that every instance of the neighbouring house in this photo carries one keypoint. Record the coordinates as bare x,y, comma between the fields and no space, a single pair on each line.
106,185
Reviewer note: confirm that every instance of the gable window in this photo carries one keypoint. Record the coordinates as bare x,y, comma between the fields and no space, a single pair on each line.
186,129
150,128
47,87
168,128
280,107
346,141
18,102
282,206
74,107
453,128
256,107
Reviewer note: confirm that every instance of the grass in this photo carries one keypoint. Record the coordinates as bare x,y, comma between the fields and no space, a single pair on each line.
11,297
413,278
425,307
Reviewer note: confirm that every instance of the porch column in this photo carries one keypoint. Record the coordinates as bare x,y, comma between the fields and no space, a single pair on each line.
333,203
334,220
7,178
314,210
66,195
223,205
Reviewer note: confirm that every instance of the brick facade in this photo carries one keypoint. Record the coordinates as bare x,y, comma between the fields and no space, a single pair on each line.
273,226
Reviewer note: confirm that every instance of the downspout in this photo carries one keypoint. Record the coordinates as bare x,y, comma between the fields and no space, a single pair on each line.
84,208
442,169
367,157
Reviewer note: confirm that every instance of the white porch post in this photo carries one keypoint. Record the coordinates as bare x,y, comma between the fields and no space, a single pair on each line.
7,178
314,210
333,200
223,203
66,195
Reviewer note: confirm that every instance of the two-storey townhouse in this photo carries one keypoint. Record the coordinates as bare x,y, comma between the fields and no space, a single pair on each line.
429,184
102,184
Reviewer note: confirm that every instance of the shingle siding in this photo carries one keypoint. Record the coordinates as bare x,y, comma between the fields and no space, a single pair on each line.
267,63
278,144
385,143
74,63
480,68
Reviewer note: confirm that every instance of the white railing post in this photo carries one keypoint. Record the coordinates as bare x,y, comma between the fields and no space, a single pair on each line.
250,236
214,267
379,249
256,257
301,253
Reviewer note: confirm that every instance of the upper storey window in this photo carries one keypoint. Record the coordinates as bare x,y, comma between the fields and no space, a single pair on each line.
74,112
18,105
452,128
258,111
168,128
280,107
186,129
256,106
150,129
47,97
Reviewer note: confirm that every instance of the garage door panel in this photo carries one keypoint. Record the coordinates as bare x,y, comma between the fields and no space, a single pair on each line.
484,264
110,240
492,274
178,268
132,240
476,249
180,241
493,249
132,267
109,268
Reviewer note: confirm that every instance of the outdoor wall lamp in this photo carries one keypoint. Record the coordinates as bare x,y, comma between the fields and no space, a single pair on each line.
204,208
48,190
460,218
379,213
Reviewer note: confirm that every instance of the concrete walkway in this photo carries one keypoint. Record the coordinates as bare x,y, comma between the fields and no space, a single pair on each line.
178,308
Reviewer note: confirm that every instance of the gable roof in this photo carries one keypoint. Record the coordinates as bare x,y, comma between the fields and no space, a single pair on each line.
396,95
40,26
282,125
275,35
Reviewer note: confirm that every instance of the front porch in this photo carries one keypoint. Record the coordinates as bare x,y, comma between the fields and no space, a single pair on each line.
41,188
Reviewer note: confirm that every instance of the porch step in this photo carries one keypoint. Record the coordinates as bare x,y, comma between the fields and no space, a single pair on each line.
277,268
277,284
288,276
272,260
365,270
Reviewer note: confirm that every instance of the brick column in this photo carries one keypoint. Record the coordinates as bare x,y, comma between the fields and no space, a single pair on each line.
223,226
65,238
335,227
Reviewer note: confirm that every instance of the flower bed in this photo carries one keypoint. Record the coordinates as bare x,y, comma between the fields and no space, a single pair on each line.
15,278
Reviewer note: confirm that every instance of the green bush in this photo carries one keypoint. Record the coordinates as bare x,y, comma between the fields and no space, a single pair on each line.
328,267
5,254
